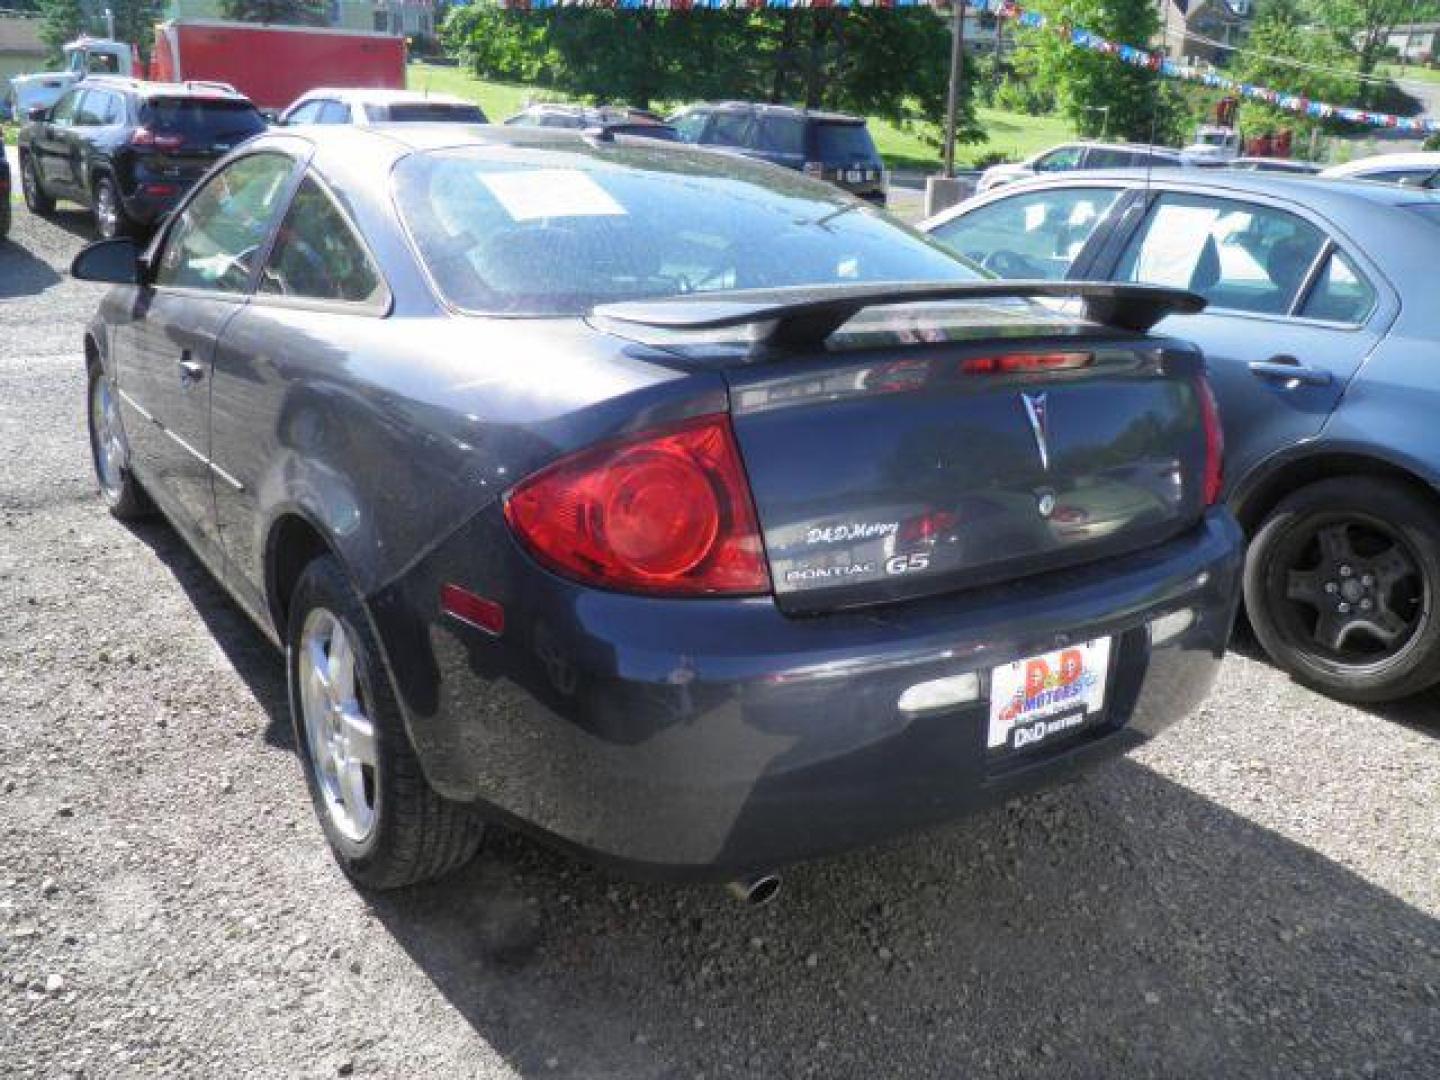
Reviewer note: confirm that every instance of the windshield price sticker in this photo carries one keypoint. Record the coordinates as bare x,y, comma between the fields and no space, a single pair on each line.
1043,697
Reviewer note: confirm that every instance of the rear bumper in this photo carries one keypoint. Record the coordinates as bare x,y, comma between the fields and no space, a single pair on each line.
708,738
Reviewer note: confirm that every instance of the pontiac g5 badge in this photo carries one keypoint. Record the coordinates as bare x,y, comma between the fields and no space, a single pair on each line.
1035,409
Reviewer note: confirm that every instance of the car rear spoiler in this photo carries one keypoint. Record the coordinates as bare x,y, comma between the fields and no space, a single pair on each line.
807,315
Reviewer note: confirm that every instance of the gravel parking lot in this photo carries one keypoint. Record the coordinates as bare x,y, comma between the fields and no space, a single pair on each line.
1255,894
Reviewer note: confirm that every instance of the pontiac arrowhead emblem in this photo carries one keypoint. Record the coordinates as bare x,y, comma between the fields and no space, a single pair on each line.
1040,424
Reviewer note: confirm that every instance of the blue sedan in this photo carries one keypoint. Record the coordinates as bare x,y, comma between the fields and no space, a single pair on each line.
1321,337
638,496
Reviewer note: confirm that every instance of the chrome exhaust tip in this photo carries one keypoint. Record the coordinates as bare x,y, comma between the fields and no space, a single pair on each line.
755,891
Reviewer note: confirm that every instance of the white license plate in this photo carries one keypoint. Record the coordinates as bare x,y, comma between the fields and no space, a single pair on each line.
854,176
1042,698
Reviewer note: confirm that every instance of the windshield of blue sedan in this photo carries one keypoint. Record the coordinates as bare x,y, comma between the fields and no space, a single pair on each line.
509,237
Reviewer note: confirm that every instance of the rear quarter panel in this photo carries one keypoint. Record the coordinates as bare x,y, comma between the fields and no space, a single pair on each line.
388,434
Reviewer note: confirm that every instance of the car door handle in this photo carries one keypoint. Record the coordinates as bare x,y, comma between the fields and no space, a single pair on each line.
190,371
1288,369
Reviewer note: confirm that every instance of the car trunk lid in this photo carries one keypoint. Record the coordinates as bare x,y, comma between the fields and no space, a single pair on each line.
935,447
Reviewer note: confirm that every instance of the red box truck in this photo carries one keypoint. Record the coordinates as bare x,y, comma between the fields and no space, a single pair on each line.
273,65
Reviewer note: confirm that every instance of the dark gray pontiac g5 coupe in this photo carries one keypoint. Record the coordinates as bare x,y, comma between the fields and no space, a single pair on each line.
664,504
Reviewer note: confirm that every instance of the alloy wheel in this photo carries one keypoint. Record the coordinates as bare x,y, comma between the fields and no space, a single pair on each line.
338,732
112,453
1352,591
107,211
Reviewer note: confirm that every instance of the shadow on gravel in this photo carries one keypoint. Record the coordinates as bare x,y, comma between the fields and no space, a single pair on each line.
1120,927
256,660
1420,712
21,273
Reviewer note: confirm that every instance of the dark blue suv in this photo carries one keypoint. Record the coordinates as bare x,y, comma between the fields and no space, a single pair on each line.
128,150
826,145
1321,338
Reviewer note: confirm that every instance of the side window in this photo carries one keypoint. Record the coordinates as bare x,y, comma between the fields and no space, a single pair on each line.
305,114
1065,158
64,111
91,110
98,109
1341,294
689,126
1104,158
781,135
728,129
317,255
1239,256
335,112
1035,235
214,242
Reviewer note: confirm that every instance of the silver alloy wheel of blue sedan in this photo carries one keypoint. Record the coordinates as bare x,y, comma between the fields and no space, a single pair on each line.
111,451
340,735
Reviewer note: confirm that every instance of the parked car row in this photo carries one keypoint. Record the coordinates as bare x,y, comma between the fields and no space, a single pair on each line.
797,527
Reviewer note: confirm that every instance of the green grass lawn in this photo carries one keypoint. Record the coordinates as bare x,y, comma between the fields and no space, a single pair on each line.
1412,72
1013,134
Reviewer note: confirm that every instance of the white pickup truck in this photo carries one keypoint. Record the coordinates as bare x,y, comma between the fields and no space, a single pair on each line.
83,56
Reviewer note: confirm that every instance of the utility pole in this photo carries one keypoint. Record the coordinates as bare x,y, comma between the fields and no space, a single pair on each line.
957,78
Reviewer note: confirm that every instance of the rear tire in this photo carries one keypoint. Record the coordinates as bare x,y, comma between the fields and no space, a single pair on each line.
36,201
111,219
1341,586
385,825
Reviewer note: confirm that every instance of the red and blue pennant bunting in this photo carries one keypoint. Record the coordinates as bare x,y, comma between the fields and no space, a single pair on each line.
1080,38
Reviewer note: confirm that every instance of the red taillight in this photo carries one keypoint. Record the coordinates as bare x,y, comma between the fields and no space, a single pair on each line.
145,137
1214,481
161,190
1020,363
668,512
487,615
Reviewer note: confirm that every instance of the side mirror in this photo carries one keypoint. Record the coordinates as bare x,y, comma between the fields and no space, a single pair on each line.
110,262
39,114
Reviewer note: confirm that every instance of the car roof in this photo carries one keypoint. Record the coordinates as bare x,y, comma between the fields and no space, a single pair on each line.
145,89
1384,162
358,151
778,110
379,95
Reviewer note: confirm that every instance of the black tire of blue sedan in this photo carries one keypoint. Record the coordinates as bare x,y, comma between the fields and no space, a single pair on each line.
385,825
110,450
1340,586
36,201
111,220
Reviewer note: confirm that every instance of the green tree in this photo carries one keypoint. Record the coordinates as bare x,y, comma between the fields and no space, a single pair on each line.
1283,54
886,63
61,21
1362,27
135,22
1099,93
285,12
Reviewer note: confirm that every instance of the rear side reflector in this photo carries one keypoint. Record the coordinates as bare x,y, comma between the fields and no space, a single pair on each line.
668,513
476,611
1214,482
1019,363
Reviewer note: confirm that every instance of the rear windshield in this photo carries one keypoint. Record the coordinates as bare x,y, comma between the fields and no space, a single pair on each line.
557,237
202,119
426,111
844,142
